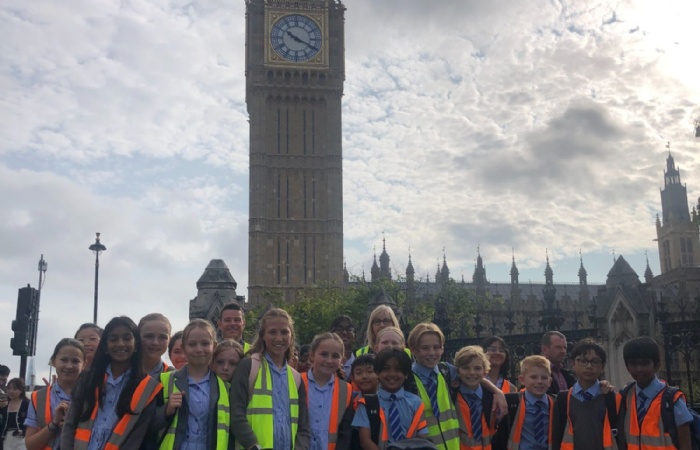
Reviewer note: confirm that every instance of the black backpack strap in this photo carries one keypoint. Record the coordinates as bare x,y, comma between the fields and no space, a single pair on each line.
611,407
372,408
668,418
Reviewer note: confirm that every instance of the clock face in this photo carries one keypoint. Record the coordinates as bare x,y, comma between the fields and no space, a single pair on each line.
296,38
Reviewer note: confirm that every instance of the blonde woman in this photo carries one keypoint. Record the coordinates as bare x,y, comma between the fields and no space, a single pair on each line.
382,317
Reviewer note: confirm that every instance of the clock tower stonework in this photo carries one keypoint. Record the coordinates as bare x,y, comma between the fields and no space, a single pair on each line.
295,72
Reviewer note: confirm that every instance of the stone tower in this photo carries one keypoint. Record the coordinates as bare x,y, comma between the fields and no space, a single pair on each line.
215,289
295,72
677,234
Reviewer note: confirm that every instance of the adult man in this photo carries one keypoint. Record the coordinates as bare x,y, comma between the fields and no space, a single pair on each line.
554,349
232,323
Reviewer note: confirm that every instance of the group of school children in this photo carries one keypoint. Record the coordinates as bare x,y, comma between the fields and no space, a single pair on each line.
112,391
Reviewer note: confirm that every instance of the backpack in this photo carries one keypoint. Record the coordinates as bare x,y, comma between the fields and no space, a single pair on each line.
668,418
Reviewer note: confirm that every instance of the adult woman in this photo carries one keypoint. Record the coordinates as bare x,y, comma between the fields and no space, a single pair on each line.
382,316
13,415
114,401
499,358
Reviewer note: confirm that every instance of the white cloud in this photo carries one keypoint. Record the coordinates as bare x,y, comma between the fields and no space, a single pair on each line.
491,124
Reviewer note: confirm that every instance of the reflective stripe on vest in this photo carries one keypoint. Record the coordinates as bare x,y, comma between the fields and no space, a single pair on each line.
416,424
259,410
362,350
342,395
567,442
223,412
444,433
466,435
651,436
41,400
517,430
144,394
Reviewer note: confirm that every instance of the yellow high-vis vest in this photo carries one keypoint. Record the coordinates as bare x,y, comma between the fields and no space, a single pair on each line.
443,432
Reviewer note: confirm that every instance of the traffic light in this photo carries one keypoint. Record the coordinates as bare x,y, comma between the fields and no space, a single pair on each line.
26,299
20,343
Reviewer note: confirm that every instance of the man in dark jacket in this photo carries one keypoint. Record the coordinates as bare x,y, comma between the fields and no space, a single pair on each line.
554,349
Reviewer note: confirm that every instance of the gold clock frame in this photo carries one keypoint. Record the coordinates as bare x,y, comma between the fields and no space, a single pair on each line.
273,59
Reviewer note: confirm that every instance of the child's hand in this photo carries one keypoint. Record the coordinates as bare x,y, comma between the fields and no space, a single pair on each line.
59,414
606,387
174,402
500,406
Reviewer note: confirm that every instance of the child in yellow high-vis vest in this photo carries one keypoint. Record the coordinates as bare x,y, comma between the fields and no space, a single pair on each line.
196,399
268,400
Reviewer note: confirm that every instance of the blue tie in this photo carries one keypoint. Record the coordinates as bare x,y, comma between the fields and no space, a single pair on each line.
432,393
475,412
540,422
587,396
397,432
641,406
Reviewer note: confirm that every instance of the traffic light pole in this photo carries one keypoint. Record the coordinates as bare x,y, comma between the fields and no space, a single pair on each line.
42,269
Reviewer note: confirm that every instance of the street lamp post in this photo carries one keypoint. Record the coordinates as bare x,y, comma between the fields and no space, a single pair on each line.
96,248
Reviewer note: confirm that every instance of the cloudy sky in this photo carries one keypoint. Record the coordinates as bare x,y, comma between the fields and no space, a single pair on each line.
512,126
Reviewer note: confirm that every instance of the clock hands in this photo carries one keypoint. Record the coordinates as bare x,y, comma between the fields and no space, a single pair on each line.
301,41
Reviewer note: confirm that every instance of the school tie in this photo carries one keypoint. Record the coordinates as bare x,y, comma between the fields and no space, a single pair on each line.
541,422
397,432
587,396
641,406
475,410
432,393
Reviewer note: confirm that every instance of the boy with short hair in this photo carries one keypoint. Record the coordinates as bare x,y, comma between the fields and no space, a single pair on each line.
528,425
432,381
401,413
643,426
364,383
477,424
582,416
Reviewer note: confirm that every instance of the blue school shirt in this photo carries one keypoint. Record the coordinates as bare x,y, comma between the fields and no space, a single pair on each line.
347,367
680,409
198,407
407,404
57,396
593,390
107,415
320,402
280,405
527,438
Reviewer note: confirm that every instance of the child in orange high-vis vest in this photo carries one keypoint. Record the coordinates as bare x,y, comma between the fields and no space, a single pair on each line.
401,413
642,423
477,423
49,406
528,425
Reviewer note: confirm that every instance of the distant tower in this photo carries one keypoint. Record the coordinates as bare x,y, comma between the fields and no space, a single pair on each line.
295,72
215,289
514,281
479,277
384,269
677,234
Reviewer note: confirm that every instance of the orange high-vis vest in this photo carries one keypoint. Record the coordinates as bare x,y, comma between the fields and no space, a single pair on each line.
41,400
418,423
144,394
466,435
609,443
342,396
508,388
517,431
651,436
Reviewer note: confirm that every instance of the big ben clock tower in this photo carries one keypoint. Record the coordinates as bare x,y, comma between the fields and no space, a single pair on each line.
294,85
